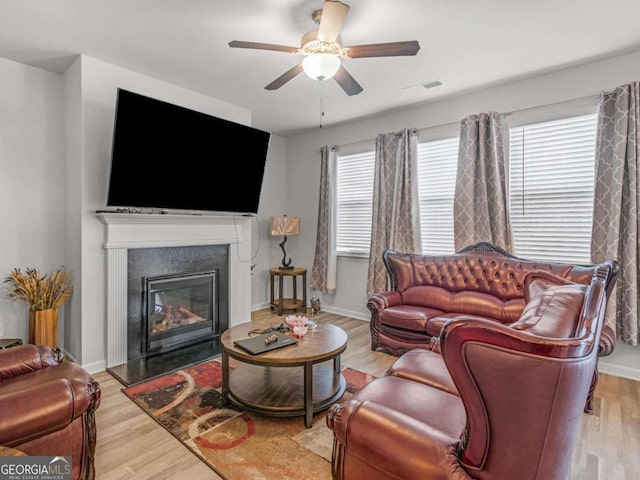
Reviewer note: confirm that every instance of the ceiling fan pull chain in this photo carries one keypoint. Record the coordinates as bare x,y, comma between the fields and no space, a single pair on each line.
321,105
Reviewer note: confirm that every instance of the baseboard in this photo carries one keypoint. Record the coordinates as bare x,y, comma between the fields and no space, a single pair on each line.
346,313
619,371
95,367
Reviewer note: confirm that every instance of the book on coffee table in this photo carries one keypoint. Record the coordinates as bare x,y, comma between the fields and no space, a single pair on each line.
259,343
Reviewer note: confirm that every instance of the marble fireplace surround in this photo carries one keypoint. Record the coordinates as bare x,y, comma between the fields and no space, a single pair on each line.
126,231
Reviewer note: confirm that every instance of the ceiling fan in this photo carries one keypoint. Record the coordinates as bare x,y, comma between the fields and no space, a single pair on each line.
323,50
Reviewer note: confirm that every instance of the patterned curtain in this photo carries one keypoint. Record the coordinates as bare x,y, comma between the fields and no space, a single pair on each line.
615,212
480,204
323,273
396,217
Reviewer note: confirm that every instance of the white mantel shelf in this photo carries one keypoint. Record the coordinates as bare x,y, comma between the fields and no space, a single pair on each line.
126,231
139,230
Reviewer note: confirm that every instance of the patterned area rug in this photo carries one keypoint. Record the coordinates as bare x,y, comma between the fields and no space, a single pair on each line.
239,445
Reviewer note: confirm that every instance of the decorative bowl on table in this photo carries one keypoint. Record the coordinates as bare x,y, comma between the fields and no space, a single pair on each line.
299,324
300,330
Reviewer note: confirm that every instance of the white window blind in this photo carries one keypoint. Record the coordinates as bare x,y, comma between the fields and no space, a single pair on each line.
437,165
552,167
354,201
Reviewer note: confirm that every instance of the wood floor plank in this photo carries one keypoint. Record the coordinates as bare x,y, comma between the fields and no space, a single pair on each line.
130,444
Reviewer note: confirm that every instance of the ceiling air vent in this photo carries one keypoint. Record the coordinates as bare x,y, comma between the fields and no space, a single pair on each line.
431,84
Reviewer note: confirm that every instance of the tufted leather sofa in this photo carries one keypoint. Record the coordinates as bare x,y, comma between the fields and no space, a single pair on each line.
481,280
47,406
501,401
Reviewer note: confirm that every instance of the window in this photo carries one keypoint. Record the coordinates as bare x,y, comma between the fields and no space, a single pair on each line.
437,165
354,201
551,188
552,170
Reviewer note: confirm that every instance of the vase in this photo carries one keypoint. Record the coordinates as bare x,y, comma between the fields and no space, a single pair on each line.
43,327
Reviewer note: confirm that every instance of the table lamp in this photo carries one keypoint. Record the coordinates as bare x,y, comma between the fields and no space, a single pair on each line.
284,226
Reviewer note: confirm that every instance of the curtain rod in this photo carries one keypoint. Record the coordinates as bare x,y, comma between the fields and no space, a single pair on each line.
450,124
553,104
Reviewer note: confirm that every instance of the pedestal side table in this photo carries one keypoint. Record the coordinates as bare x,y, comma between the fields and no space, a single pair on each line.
292,303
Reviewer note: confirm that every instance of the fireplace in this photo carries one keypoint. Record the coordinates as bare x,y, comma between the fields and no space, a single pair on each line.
179,310
176,296
156,236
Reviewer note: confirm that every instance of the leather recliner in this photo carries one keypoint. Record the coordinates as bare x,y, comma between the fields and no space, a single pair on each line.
47,406
500,402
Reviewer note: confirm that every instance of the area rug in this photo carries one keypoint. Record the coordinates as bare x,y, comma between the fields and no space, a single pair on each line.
239,445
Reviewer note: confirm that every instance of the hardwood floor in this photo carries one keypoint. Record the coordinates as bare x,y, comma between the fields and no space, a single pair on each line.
132,445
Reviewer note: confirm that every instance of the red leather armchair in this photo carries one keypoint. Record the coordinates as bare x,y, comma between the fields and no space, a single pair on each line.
506,402
47,406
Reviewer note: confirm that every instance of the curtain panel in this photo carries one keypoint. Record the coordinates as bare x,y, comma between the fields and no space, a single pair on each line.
615,212
396,218
323,273
480,209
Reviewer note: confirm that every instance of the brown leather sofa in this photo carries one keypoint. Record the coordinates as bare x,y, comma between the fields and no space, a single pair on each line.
499,402
47,406
481,280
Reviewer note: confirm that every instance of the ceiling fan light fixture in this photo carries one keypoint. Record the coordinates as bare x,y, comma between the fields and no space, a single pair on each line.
321,66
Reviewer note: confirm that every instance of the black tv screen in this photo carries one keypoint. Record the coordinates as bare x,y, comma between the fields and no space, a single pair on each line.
169,157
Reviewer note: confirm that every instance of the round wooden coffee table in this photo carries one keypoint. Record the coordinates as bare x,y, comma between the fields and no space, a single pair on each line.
297,379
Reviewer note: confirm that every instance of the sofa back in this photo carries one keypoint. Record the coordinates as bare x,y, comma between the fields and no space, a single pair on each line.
479,280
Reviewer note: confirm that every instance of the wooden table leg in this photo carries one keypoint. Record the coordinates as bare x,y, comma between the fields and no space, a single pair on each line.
308,394
225,375
304,292
294,278
280,293
273,297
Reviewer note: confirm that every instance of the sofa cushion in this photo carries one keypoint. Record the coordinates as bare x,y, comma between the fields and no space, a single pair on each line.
408,317
464,302
424,366
435,324
553,305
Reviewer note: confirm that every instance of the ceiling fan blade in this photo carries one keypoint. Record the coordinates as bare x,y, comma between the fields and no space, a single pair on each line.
347,82
392,49
263,46
331,21
284,78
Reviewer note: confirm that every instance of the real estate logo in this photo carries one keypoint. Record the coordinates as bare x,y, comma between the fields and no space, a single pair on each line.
35,468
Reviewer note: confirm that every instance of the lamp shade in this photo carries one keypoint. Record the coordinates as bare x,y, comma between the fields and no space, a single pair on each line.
285,226
321,66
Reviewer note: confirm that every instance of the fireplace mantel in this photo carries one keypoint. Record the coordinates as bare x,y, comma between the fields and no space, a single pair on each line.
126,231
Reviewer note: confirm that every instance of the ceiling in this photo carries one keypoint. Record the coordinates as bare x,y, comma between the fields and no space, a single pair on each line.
465,44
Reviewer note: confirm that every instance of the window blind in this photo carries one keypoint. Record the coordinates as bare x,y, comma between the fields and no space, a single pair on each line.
354,203
437,165
552,168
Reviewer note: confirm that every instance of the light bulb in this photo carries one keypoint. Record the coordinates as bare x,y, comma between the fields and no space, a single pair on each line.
321,66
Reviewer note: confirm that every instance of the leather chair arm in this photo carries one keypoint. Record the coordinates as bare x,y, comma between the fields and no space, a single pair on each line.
400,446
607,341
35,411
380,301
27,358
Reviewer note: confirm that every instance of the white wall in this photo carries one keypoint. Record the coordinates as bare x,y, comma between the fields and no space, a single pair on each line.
55,146
99,82
273,200
304,159
32,212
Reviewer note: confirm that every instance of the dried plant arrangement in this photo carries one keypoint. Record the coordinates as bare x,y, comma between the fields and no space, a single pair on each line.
41,292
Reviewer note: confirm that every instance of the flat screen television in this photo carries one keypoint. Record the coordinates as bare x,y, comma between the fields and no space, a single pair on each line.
172,158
